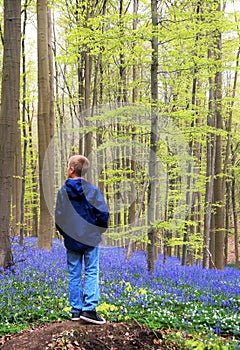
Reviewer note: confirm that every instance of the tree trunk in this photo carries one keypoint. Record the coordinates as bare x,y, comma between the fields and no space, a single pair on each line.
33,173
235,222
122,90
24,132
231,176
17,187
191,197
46,163
218,180
9,117
132,219
209,185
135,68
153,141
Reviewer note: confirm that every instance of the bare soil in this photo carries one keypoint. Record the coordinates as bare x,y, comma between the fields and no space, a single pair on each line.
79,335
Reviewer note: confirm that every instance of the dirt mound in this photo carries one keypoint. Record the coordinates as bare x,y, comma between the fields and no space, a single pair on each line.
81,336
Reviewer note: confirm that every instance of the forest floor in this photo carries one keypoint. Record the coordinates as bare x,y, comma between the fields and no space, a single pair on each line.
69,335
81,336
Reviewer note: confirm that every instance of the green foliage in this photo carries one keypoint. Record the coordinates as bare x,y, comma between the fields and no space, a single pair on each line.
186,32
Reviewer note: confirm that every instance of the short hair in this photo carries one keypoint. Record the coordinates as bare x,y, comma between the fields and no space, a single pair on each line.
80,164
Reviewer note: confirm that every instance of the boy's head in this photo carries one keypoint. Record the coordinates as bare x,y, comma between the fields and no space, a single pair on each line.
77,166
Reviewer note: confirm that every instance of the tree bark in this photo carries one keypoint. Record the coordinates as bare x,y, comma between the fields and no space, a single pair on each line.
16,188
235,219
44,127
153,141
218,180
211,150
132,208
230,192
24,132
9,119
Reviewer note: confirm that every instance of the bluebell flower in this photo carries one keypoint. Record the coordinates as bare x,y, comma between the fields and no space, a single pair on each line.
182,297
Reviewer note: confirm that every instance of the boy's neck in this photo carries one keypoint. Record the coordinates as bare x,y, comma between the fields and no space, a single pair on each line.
74,177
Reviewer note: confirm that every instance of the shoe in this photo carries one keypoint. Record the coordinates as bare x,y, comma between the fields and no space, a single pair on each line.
76,316
92,317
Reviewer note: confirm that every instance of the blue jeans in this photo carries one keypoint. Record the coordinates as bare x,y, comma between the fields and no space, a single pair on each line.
83,293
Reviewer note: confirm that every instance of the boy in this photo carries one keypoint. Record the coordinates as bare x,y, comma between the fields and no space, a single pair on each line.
81,216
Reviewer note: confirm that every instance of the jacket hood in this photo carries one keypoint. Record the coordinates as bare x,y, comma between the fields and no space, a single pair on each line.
75,189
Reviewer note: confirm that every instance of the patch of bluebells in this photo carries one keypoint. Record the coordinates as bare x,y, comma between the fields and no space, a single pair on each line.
174,296
34,287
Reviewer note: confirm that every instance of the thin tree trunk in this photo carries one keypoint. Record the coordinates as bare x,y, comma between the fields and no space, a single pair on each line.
89,142
132,208
51,74
226,170
33,173
191,197
136,223
235,216
227,221
17,188
210,170
122,89
153,141
24,131
218,180
60,119
135,68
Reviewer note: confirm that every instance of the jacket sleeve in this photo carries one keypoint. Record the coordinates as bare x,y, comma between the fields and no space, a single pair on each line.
101,210
102,218
59,212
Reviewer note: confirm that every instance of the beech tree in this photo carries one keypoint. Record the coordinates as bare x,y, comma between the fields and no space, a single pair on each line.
218,178
45,127
214,216
9,117
153,141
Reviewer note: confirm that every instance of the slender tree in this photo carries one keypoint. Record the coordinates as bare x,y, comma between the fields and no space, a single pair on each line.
218,179
46,161
153,141
24,128
9,117
211,155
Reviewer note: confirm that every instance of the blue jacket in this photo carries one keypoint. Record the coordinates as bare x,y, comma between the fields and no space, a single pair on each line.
81,214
